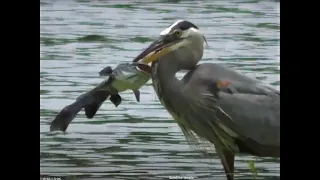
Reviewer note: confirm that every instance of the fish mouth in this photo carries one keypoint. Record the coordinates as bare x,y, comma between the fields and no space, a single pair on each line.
145,68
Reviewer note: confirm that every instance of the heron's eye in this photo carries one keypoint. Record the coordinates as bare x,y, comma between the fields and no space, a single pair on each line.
178,33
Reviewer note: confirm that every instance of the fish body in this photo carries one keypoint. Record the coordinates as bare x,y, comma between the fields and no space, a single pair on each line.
125,76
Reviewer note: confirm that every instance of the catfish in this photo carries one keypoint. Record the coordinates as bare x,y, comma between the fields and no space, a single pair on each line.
125,76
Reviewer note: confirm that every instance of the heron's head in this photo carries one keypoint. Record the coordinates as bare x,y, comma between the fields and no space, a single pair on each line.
182,42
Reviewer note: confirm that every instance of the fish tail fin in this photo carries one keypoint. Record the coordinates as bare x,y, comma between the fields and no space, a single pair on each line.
65,116
91,101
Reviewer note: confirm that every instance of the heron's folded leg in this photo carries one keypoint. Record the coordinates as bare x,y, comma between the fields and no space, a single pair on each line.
227,160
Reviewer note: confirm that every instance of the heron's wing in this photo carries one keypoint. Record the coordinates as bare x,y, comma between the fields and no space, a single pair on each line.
250,108
253,111
238,87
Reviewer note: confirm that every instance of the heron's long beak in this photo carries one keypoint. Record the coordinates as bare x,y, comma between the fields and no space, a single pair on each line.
159,48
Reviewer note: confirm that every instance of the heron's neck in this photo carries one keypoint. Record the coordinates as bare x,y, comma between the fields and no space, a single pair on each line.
164,75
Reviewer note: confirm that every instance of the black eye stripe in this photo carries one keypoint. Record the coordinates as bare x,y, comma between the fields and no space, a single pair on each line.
184,25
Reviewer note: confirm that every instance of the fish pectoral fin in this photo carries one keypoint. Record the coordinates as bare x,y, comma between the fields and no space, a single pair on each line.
227,160
137,94
116,99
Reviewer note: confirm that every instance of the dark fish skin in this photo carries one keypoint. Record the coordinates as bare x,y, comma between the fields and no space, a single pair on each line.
98,98
66,115
116,99
91,109
106,71
91,101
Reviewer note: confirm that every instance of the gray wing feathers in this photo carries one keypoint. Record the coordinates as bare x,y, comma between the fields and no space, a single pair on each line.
253,116
254,108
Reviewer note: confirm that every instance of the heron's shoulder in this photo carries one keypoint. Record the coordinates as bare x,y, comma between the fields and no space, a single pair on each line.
211,66
211,71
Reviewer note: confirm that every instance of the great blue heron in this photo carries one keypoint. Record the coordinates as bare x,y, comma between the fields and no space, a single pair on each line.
234,112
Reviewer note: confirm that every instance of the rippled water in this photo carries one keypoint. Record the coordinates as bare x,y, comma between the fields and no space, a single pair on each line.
141,140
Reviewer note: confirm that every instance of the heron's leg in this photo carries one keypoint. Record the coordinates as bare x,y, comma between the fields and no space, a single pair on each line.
227,160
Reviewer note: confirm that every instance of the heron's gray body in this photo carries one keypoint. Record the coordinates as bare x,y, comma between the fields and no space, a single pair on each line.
255,110
236,113
249,115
